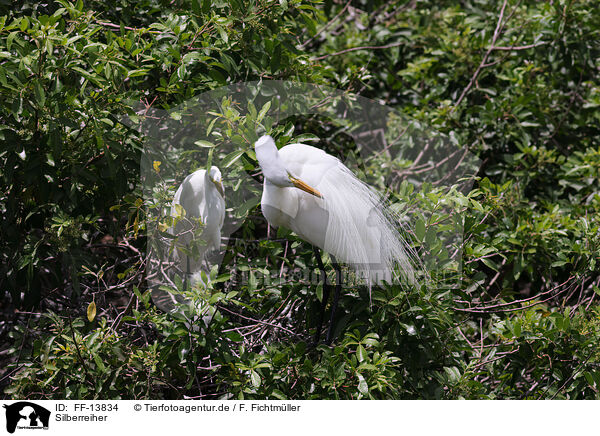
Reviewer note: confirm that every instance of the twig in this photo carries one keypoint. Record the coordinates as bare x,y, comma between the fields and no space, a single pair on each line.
326,26
85,368
496,358
118,26
519,47
256,320
484,309
119,319
284,257
464,337
491,283
481,333
574,373
515,309
499,27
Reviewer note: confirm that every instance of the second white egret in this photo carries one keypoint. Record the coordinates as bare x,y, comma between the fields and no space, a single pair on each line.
199,201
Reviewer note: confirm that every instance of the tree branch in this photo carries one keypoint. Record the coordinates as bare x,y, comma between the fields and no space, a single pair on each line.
499,26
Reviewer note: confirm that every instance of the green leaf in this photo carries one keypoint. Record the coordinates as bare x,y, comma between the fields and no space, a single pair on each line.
276,58
453,374
234,336
231,158
10,39
255,378
361,353
263,111
91,311
319,292
517,328
363,387
420,229
204,144
24,24
40,95
99,363
307,137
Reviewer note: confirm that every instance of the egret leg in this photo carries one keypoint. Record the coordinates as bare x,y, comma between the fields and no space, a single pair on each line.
336,297
326,292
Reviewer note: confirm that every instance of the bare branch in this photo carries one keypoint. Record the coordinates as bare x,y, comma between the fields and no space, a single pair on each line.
518,47
497,32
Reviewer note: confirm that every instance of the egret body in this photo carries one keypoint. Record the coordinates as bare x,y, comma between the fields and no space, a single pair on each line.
315,195
201,196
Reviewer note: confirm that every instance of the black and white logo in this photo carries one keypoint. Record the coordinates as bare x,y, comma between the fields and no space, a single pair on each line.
26,415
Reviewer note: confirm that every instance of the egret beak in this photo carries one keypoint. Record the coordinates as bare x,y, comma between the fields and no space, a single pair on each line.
219,187
304,186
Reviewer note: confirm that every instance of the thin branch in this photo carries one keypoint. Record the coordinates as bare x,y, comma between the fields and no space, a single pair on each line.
326,26
85,368
486,309
519,47
499,26
118,26
256,320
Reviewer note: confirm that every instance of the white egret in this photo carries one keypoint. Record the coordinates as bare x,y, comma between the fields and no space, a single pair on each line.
315,195
201,197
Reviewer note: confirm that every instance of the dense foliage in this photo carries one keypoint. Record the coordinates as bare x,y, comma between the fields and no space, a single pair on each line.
516,82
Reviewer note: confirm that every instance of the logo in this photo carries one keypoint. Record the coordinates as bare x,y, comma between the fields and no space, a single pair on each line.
26,415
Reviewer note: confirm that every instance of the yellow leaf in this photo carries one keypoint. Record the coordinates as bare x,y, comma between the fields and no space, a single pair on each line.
163,227
179,210
156,165
136,224
91,311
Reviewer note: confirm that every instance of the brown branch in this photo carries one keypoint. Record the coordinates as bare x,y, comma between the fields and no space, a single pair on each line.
496,358
484,309
119,319
491,283
118,26
497,32
256,320
515,309
519,47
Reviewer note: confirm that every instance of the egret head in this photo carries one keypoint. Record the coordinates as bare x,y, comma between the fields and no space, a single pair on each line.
215,177
274,169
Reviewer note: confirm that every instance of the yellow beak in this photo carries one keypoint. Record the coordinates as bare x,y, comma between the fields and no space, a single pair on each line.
304,186
219,187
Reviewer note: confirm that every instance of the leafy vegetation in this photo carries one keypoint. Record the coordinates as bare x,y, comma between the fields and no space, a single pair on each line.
516,315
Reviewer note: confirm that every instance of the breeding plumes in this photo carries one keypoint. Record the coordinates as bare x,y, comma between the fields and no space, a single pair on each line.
201,197
315,195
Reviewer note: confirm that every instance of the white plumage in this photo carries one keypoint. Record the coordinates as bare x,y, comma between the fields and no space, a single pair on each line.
201,196
315,195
